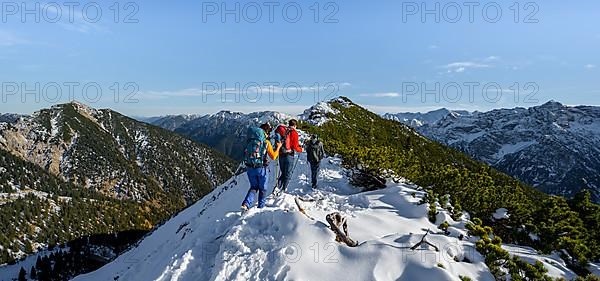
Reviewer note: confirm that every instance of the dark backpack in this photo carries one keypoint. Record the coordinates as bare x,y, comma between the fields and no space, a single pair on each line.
283,132
313,151
256,148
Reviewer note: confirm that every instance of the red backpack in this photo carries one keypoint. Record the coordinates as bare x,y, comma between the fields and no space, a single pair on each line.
283,132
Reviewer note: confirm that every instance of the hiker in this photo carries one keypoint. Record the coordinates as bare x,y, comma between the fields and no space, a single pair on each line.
291,145
314,153
257,149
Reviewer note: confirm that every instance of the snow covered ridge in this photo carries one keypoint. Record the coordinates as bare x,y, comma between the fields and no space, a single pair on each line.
10,118
317,114
419,119
212,241
224,131
185,122
174,122
552,146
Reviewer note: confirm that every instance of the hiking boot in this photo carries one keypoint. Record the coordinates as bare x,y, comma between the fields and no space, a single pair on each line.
244,207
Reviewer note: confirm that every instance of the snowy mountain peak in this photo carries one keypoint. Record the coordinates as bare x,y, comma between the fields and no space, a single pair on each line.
227,114
419,119
78,106
10,118
319,113
552,104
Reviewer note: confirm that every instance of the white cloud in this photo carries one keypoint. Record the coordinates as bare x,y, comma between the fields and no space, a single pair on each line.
381,95
468,64
463,66
589,66
433,47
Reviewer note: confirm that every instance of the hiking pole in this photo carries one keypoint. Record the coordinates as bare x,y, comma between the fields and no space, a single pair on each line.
295,163
237,172
297,158
275,187
276,178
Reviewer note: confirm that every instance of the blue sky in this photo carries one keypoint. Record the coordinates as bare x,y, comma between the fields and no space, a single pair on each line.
176,61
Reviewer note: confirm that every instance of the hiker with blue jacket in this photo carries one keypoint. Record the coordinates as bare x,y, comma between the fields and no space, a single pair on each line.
258,148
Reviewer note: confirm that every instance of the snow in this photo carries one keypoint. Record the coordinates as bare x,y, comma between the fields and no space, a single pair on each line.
512,148
595,268
54,126
501,213
8,272
317,114
534,237
557,268
418,119
279,243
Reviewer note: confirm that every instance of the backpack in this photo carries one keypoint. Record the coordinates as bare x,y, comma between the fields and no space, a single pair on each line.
283,132
256,148
313,153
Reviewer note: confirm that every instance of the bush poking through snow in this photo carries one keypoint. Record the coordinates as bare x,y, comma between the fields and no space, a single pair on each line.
444,226
457,211
368,179
477,229
430,198
499,260
432,214
444,200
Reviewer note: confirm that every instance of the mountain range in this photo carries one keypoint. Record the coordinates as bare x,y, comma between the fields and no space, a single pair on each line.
9,117
418,119
502,227
224,131
554,147
291,239
72,171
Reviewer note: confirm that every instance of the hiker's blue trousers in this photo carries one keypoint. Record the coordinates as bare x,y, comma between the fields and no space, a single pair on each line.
286,163
258,178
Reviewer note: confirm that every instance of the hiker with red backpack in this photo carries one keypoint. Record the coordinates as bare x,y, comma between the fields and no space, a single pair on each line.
257,149
289,137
